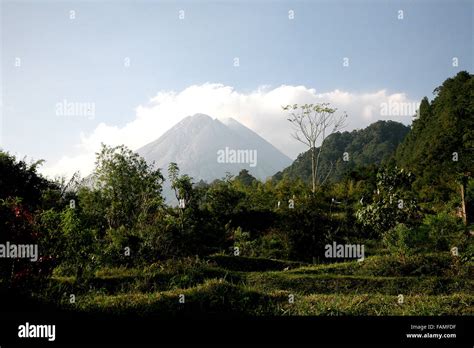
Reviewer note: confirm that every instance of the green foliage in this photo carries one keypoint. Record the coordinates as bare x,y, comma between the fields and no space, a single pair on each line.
402,241
185,249
444,231
467,255
17,227
245,178
79,244
372,145
413,265
130,188
224,199
255,286
383,305
214,297
274,245
245,245
437,233
219,297
93,208
312,123
20,179
348,284
22,192
51,239
392,202
444,128
182,185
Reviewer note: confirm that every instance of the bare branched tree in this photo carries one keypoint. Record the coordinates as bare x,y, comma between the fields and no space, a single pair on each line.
313,123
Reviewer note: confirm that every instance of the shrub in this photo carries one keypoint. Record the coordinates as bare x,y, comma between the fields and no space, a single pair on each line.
274,245
17,226
242,240
403,241
443,230
80,245
392,202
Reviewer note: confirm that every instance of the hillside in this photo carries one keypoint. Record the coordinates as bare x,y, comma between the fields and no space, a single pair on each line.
371,145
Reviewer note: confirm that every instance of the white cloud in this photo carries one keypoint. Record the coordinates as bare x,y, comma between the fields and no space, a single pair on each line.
259,110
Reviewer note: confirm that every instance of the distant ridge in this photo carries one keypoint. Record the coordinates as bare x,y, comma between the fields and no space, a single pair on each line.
367,146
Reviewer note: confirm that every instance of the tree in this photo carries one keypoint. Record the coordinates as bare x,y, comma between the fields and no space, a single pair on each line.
372,145
130,187
20,179
182,185
439,148
191,228
183,190
79,244
245,178
22,192
314,122
392,202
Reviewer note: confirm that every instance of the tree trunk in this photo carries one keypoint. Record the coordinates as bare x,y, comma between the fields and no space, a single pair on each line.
463,202
313,169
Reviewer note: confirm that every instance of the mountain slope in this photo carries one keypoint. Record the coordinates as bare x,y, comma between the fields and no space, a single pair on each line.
197,142
367,146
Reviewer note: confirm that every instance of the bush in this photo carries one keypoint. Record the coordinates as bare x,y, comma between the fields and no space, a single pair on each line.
245,245
467,255
403,241
80,245
444,231
274,245
309,230
17,226
392,202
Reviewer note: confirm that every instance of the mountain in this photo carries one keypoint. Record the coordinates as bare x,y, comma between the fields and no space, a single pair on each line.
370,145
207,148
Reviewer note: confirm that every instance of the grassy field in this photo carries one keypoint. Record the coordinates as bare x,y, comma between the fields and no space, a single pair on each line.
431,284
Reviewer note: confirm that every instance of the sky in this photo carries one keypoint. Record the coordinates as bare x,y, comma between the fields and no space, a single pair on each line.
130,70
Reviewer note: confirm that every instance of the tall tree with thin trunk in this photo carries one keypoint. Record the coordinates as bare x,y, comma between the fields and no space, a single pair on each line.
312,123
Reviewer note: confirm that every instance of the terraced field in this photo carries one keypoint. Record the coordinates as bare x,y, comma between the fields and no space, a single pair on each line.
431,284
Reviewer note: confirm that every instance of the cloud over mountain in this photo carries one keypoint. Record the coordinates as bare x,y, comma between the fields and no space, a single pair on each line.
259,110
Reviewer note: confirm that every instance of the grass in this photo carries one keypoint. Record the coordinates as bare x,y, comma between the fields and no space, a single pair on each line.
349,284
216,297
434,264
432,284
378,304
213,297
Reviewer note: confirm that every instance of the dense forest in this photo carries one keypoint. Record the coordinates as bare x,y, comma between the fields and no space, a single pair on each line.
405,193
370,146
